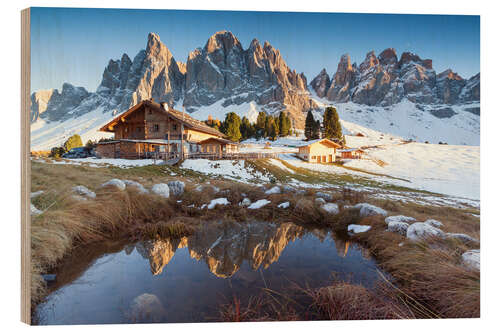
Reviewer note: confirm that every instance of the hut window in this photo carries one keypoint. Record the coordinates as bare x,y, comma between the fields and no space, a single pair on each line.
150,111
156,128
138,129
174,127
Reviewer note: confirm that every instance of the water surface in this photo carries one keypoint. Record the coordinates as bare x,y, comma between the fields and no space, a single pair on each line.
186,280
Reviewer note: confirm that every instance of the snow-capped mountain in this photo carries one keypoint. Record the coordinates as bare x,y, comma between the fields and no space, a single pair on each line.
386,80
223,77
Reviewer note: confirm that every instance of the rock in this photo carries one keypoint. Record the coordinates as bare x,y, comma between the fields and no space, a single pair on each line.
356,228
399,218
161,189
321,83
218,201
434,223
320,201
245,202
471,259
176,187
420,231
35,194
365,209
288,189
116,183
343,81
35,211
461,237
398,227
78,197
273,190
324,195
137,185
83,191
259,204
285,204
146,308
330,208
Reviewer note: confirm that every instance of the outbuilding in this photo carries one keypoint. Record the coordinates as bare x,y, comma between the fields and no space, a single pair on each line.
318,151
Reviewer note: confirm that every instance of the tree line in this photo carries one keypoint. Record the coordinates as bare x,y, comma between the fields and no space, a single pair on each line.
266,126
330,128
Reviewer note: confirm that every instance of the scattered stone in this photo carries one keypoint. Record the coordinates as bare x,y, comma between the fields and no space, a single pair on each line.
78,197
176,187
35,194
324,195
35,211
161,189
285,204
461,237
320,201
330,208
245,202
199,188
259,204
399,218
356,228
434,223
420,231
83,191
365,209
471,259
398,227
273,190
218,201
137,185
117,183
288,189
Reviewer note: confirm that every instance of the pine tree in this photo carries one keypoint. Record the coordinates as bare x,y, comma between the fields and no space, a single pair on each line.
316,130
284,124
331,124
231,126
246,128
309,126
260,125
272,129
73,142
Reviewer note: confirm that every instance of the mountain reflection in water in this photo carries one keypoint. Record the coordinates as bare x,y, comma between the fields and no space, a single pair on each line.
185,280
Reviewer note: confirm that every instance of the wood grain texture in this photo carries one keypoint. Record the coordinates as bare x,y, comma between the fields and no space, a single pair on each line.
25,168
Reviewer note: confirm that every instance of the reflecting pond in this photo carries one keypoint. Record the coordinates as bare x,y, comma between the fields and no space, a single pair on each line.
186,280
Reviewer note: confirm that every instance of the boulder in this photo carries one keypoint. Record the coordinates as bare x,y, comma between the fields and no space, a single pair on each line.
320,201
434,223
461,237
35,211
161,189
285,204
398,227
324,195
365,209
145,308
35,194
330,208
273,190
83,191
176,187
116,183
259,204
218,201
471,259
245,202
288,189
399,218
420,231
356,228
137,185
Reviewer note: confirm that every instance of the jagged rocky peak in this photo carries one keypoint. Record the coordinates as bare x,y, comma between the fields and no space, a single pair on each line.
222,40
370,61
343,80
54,105
388,57
321,83
449,74
408,57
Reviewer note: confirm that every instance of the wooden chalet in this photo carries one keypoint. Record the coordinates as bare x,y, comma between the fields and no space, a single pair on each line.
318,151
154,130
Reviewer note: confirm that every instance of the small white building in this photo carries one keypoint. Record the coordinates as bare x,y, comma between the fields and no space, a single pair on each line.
318,151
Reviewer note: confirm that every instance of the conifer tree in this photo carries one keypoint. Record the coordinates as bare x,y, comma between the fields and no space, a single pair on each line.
231,126
310,126
331,124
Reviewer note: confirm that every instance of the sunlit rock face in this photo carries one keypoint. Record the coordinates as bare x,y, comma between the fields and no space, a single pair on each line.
385,80
225,246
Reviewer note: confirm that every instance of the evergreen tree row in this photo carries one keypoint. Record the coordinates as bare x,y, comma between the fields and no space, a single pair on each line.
330,129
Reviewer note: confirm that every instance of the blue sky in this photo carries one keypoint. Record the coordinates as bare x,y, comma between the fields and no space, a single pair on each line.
74,45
